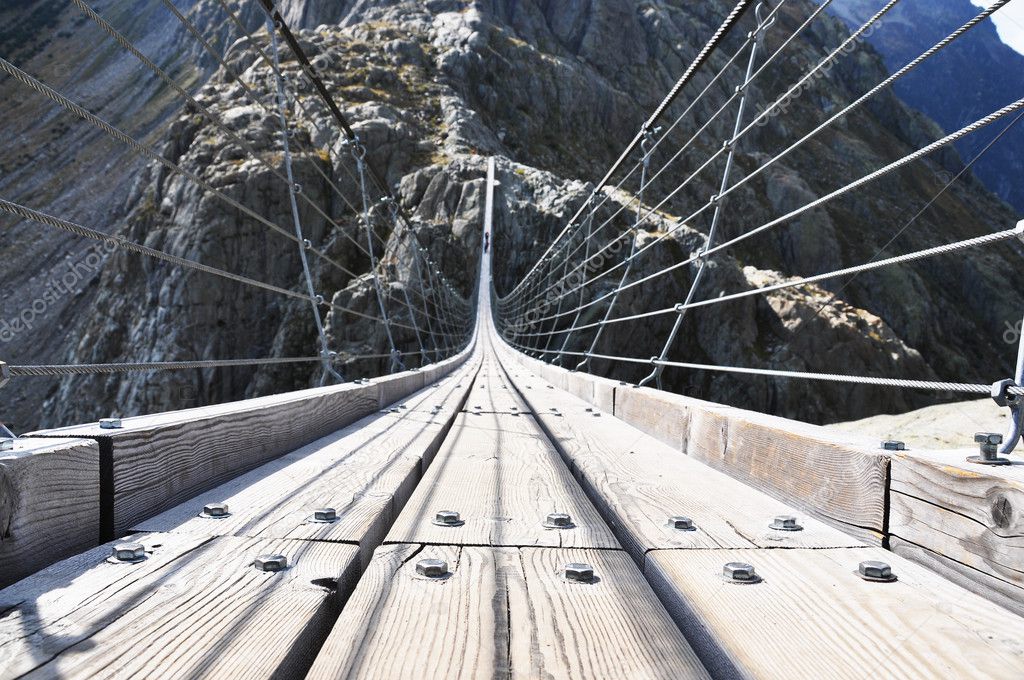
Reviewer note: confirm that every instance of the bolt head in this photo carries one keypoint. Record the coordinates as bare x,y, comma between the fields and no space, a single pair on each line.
785,523
432,568
873,570
128,552
110,423
740,572
579,572
988,438
893,445
558,520
271,563
448,518
216,510
325,514
682,523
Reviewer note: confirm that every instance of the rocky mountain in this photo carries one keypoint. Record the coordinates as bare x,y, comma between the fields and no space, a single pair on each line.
554,90
975,76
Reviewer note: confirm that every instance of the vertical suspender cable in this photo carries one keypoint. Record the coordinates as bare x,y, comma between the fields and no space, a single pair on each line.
325,353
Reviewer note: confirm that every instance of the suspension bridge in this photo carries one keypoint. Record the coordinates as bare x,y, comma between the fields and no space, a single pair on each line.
487,505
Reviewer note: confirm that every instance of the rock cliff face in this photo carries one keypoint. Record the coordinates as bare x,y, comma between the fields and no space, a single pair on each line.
554,90
977,75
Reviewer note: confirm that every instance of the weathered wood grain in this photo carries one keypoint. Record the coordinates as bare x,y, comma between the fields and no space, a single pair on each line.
967,514
812,617
638,483
492,392
662,415
366,472
503,613
156,462
196,607
798,463
49,503
504,477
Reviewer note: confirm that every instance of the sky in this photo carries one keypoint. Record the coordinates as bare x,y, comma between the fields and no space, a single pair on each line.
1009,21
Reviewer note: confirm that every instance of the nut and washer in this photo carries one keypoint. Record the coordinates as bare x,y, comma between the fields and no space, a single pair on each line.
216,510
989,443
110,424
448,518
558,520
271,563
325,515
681,522
740,572
785,523
873,570
432,568
579,572
128,552
894,445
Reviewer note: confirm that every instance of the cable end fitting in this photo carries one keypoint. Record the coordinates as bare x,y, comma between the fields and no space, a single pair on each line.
5,373
1019,230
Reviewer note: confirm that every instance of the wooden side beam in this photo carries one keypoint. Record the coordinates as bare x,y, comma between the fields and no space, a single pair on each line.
152,463
840,480
964,519
49,503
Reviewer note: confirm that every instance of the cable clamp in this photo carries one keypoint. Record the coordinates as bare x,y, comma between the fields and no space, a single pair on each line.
1003,397
5,373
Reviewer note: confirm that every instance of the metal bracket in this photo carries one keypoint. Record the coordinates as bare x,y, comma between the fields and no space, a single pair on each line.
1002,396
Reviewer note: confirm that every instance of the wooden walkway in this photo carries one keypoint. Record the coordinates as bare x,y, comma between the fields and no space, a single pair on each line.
323,542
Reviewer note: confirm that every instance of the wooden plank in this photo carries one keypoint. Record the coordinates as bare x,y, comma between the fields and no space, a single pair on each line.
504,477
503,613
801,464
969,515
155,462
196,607
366,472
49,503
994,589
813,617
638,483
493,392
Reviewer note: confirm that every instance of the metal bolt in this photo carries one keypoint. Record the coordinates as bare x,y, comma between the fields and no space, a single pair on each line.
740,572
432,568
448,518
681,523
110,423
558,520
216,510
893,445
271,563
325,514
873,570
129,552
989,443
785,523
579,572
